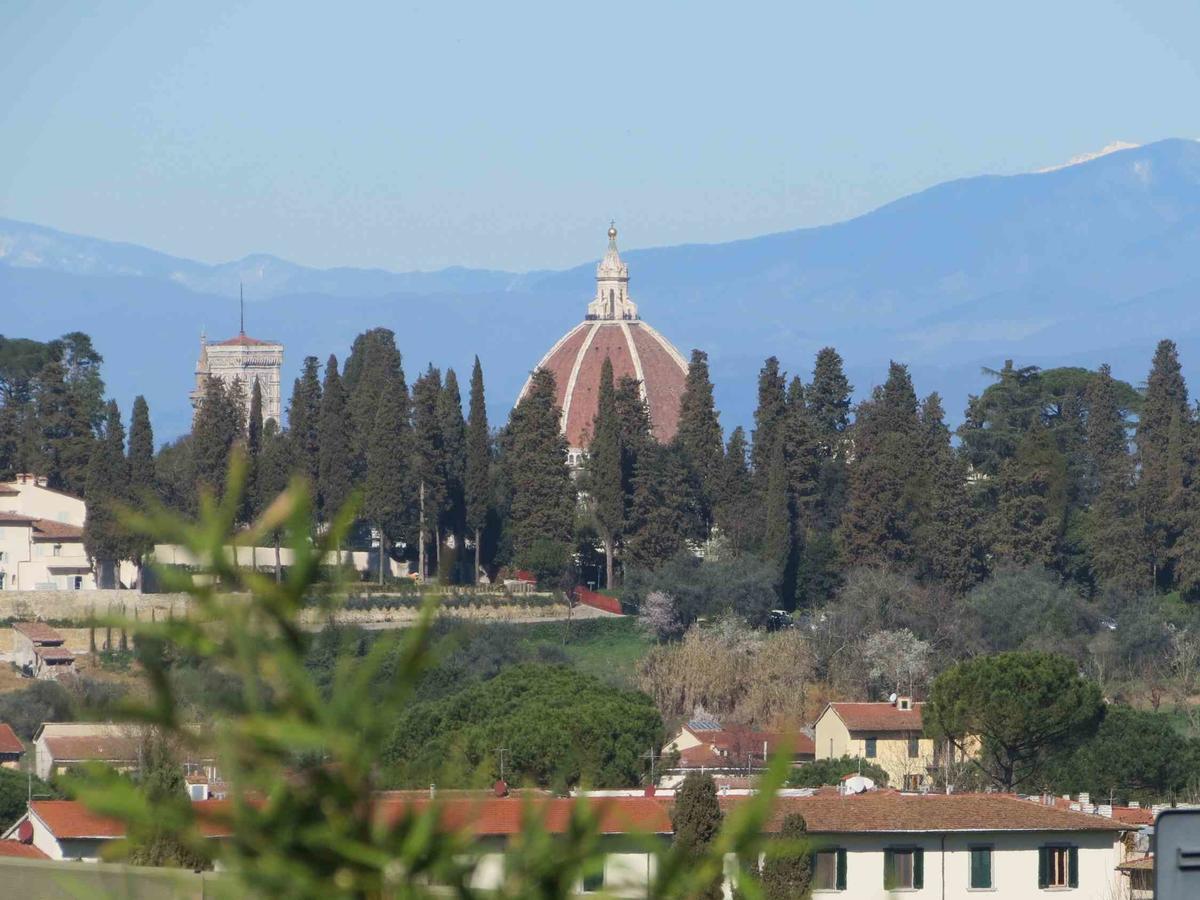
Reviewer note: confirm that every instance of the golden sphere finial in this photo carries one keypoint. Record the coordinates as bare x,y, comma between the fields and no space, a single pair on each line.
612,231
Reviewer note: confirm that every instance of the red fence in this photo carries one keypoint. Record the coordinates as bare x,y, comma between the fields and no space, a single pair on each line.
599,601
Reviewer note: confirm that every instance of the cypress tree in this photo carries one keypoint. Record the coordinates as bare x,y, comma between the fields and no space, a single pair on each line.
948,542
454,452
880,517
542,506
699,431
304,416
802,451
386,485
276,464
829,399
736,513
215,430
779,526
696,820
334,477
428,461
64,434
787,875
140,463
1117,540
477,477
373,365
769,416
254,438
1159,446
1028,524
141,449
104,538
636,438
603,473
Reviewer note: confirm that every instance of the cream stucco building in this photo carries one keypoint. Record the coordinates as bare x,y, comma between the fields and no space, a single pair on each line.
41,538
890,735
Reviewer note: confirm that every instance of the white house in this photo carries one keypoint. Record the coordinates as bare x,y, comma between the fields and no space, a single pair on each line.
38,649
41,538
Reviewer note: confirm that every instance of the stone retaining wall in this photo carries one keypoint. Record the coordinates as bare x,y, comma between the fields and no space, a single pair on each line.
79,606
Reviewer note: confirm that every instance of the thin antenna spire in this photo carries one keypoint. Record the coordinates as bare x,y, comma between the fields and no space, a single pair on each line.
242,310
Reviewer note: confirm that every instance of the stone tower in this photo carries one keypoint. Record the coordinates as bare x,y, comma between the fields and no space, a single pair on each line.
243,359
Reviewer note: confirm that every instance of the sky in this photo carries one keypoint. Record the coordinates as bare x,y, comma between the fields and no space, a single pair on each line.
506,135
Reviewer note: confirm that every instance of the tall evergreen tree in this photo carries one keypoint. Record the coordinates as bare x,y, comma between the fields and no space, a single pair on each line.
373,365
334,477
477,477
769,416
542,508
141,449
428,461
254,438
454,453
948,541
104,537
1159,440
215,430
603,473
787,875
1118,550
699,432
142,484
304,417
779,524
1030,515
829,399
736,507
696,820
276,465
802,453
386,487
881,512
64,432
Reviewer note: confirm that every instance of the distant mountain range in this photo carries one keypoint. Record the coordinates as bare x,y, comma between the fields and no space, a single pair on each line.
1078,265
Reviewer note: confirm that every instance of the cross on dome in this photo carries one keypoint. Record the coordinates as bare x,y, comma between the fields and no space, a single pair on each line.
612,301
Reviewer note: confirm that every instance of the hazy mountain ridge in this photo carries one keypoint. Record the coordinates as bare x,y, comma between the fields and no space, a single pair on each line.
1082,264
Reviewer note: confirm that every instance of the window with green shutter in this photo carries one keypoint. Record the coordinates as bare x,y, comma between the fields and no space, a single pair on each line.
829,870
1058,866
903,868
981,867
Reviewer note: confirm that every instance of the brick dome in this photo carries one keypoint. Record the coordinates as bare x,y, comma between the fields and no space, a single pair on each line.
613,330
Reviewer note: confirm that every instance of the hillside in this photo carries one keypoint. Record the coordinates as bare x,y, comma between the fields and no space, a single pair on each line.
1077,265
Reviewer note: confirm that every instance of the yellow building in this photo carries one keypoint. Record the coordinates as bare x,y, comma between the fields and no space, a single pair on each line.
890,735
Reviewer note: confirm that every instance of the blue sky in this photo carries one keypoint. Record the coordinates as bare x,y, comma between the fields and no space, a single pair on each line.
506,135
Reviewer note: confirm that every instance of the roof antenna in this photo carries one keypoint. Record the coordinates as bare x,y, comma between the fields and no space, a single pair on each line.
242,310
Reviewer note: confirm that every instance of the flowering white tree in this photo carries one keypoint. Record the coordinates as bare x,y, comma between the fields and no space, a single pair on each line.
896,660
657,616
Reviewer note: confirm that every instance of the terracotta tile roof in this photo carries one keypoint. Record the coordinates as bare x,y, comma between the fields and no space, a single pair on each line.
67,819
1129,815
12,518
1141,864
799,743
878,716
828,812
100,748
24,851
702,756
38,632
9,742
50,530
496,816
242,340
9,490
53,654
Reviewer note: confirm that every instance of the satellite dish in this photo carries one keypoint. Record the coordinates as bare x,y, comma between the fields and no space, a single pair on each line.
891,698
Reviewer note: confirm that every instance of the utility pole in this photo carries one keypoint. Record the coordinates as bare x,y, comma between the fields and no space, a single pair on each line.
650,756
501,751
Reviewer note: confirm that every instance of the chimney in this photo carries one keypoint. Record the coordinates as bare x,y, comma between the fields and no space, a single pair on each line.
904,704
1135,804
649,792
432,790
500,788
1105,809
1084,798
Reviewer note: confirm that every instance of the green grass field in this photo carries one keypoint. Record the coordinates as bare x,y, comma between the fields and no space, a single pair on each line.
609,649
